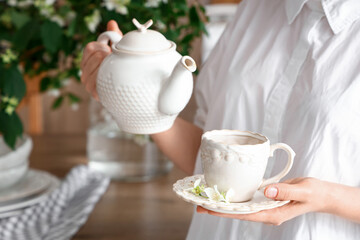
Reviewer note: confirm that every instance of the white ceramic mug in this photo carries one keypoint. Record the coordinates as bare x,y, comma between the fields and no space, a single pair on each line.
237,160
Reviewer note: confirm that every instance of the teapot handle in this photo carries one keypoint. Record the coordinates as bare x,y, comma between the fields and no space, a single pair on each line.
107,36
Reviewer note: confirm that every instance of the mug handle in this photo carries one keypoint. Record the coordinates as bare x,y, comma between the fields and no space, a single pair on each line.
107,36
291,155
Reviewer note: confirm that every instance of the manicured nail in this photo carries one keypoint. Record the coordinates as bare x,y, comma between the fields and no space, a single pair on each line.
271,192
201,210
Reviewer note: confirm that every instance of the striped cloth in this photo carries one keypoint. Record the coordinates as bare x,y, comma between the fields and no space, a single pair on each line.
62,213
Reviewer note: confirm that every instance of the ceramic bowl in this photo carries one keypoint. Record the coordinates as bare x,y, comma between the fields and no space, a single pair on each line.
14,163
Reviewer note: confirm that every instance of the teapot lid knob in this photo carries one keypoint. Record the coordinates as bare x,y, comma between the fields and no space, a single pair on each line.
142,27
143,40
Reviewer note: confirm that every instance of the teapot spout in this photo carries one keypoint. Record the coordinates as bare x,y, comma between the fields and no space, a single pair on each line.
177,90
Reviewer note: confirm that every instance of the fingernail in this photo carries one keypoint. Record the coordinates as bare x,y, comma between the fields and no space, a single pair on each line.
271,192
201,210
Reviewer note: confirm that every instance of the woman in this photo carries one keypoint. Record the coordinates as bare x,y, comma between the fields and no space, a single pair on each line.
288,69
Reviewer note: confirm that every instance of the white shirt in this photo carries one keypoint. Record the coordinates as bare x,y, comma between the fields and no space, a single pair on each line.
289,69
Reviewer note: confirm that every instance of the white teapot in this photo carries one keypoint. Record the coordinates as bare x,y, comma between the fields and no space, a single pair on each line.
144,83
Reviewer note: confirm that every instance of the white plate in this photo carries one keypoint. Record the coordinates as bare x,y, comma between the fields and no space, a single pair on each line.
32,183
10,213
258,203
53,183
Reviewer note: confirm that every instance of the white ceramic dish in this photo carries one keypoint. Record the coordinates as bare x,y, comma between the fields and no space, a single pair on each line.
258,203
10,213
242,157
32,183
14,163
53,183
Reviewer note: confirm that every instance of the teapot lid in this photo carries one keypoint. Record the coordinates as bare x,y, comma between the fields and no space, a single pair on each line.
143,40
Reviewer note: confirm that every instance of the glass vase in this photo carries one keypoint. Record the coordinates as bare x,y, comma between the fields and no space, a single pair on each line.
120,155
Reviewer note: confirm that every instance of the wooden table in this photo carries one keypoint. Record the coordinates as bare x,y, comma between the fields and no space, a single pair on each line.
127,210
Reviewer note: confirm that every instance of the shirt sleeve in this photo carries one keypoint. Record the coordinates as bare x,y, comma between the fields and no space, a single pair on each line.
202,108
208,73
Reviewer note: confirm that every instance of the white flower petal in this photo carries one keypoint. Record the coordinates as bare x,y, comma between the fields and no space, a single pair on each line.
197,182
109,5
216,189
229,195
66,82
92,21
221,197
152,3
203,194
53,92
45,12
159,24
122,10
12,3
58,19
50,2
211,194
70,16
75,106
24,4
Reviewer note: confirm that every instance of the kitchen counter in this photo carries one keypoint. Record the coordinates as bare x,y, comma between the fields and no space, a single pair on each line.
149,210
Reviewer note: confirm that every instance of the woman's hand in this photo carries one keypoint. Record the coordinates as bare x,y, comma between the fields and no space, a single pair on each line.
94,54
305,195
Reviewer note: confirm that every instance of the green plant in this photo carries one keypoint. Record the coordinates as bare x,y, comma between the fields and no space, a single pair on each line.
39,36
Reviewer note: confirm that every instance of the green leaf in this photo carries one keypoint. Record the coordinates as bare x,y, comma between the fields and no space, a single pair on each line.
12,83
11,128
65,9
19,18
57,103
181,6
187,39
45,84
72,28
51,36
73,98
68,45
194,17
74,72
25,34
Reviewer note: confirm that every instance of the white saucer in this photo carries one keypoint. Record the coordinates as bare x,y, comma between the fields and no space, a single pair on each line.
52,183
32,183
258,203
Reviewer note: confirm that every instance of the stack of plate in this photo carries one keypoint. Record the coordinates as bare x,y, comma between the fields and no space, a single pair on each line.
33,188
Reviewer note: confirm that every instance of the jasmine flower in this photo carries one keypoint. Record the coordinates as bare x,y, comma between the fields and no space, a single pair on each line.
93,20
118,5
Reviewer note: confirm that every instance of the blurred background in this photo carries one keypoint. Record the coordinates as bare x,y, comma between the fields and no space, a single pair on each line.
75,120
41,44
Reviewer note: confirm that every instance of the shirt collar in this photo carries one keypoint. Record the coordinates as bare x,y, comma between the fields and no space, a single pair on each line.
339,13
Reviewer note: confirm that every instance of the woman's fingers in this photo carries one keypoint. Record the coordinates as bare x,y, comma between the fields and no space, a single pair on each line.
275,216
113,26
93,55
304,195
200,209
92,48
286,191
96,46
90,70
96,59
262,216
91,85
92,65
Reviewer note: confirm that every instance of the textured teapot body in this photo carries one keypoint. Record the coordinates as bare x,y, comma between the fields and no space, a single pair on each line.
129,87
144,83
